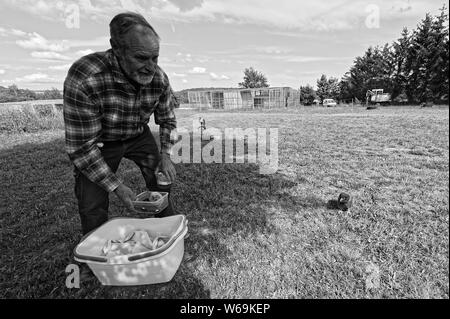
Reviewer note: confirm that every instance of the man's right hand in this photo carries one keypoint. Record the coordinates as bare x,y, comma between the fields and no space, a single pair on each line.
126,195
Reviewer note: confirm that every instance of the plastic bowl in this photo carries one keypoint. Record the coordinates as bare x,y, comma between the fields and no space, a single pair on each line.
155,207
152,267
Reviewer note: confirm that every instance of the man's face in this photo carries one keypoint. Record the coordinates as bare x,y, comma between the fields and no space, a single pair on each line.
138,56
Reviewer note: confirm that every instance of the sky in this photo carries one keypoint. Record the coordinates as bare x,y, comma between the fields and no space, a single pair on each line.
205,43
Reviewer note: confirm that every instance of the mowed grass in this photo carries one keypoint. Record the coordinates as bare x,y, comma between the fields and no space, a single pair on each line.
259,236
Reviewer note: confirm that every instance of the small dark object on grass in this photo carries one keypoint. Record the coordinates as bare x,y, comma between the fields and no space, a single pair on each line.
426,104
332,204
344,201
373,107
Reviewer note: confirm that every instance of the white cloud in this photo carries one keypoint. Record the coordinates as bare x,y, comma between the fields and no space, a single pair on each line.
7,32
37,78
2,31
288,14
97,42
2,71
283,14
34,77
84,52
273,50
38,42
18,33
171,65
178,75
64,67
57,10
44,6
202,60
184,58
17,67
216,77
197,70
52,56
184,81
45,9
306,59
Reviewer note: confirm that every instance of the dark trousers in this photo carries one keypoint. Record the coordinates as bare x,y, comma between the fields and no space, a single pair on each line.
93,201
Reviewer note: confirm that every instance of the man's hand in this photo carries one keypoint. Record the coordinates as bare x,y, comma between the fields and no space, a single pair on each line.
166,167
126,195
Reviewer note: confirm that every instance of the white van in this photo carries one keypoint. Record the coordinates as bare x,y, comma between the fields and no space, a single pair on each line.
329,102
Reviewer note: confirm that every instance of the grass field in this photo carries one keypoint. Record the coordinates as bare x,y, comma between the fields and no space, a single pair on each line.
252,235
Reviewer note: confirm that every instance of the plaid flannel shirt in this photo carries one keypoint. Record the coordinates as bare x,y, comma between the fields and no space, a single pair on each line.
101,105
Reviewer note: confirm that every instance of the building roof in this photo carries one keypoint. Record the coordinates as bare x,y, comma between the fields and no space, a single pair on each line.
242,89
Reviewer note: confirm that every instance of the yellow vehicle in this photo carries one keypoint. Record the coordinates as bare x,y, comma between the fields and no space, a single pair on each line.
377,96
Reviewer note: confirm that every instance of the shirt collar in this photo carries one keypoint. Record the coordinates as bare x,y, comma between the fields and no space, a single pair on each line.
116,70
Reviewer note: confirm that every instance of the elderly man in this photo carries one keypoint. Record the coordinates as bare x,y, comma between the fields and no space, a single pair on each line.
108,100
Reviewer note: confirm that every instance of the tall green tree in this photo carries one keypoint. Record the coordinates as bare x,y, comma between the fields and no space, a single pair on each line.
374,70
328,88
346,89
334,89
400,53
419,59
427,60
415,66
439,81
322,88
13,90
253,79
307,95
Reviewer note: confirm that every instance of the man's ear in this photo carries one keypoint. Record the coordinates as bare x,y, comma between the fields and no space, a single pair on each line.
115,47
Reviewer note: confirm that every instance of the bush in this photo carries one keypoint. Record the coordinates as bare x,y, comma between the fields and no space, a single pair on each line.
59,107
16,120
44,110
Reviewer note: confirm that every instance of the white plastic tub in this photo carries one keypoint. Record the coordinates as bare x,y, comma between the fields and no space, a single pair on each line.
157,266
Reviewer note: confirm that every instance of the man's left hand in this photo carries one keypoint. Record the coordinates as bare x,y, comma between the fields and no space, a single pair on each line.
166,167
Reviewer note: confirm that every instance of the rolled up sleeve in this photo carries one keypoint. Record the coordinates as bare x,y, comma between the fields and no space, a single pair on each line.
82,119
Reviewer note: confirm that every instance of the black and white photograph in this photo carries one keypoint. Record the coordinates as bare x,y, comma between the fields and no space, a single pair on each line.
245,151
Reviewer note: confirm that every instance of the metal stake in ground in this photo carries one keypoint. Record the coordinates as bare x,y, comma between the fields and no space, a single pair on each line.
202,128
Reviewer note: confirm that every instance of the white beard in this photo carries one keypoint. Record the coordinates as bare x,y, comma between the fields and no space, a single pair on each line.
143,79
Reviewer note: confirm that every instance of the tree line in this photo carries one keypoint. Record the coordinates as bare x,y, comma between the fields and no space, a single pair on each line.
14,94
413,69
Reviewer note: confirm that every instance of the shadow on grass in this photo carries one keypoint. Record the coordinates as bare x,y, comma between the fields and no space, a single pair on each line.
40,223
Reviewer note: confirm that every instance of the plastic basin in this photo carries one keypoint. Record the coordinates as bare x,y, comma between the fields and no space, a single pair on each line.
157,266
